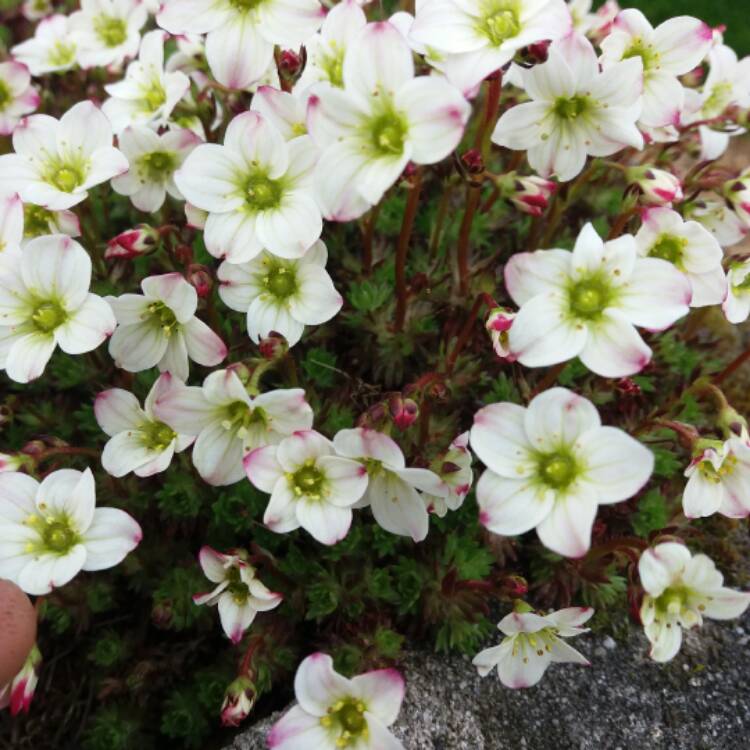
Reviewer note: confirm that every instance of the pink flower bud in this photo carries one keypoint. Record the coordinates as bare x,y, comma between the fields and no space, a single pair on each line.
658,187
403,411
24,684
139,241
273,347
531,194
239,700
10,462
289,63
473,161
200,278
737,192
498,324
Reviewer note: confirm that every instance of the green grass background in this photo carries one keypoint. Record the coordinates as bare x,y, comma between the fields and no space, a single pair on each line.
735,14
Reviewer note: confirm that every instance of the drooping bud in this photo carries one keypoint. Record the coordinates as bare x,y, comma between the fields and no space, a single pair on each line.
499,322
732,422
10,462
658,187
141,240
239,700
24,683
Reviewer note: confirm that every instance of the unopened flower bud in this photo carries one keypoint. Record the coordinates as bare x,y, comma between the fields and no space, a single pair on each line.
24,683
34,448
141,240
658,187
161,614
403,411
200,278
273,346
538,51
498,324
628,387
290,63
515,585
239,700
732,422
472,160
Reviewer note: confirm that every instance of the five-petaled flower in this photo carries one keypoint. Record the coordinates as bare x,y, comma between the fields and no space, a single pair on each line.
239,593
682,589
333,712
50,531
550,466
532,642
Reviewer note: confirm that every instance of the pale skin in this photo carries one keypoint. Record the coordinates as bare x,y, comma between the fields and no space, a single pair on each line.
17,630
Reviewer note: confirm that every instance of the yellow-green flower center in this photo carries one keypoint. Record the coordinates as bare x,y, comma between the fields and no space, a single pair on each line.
647,52
239,590
57,534
48,315
499,20
388,132
6,95
589,297
153,96
308,481
158,165
61,55
245,6
157,436
111,30
163,317
67,178
36,220
718,100
557,470
262,193
281,282
669,247
571,107
332,65
239,418
347,720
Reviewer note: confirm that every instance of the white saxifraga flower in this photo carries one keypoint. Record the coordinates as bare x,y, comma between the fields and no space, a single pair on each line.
52,49
281,295
327,49
310,486
229,422
242,33
719,479
727,84
477,37
454,468
257,189
737,303
719,219
38,221
586,304
286,112
575,110
550,465
680,591
159,327
57,161
689,247
333,712
674,48
532,642
239,594
107,31
147,95
382,119
393,491
45,303
17,96
153,161
49,531
139,442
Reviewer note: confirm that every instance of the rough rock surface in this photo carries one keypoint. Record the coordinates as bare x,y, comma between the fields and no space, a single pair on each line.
699,701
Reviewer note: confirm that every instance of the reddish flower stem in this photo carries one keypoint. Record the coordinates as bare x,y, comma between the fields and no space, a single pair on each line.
732,367
463,336
462,255
403,246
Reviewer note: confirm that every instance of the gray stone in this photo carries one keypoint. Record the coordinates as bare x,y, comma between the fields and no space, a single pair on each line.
699,701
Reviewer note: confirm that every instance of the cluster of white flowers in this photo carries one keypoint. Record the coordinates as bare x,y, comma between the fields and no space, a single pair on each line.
374,99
